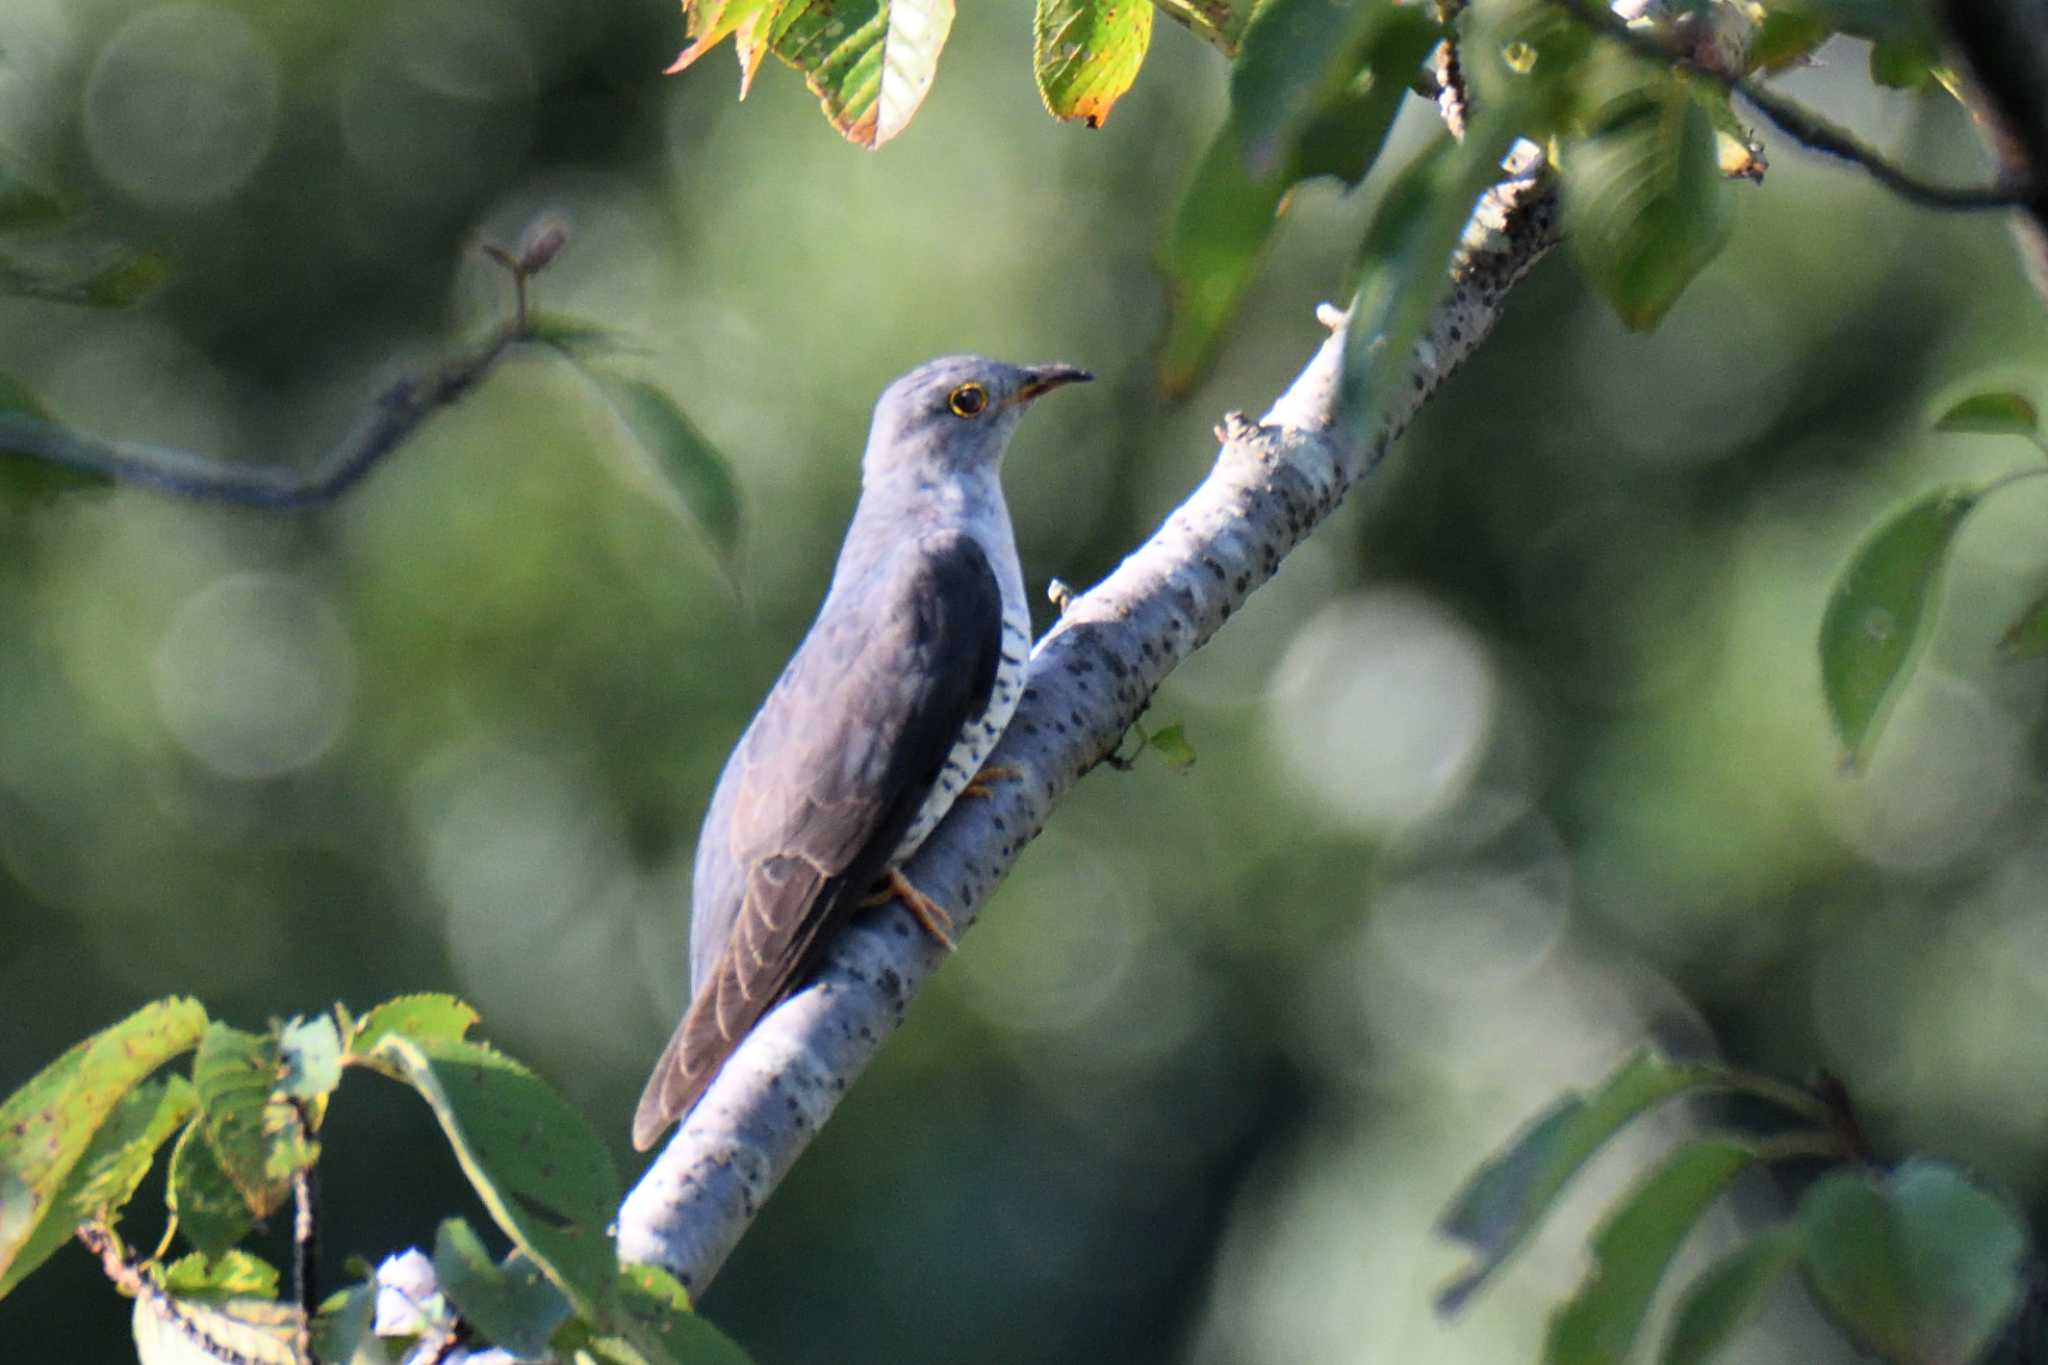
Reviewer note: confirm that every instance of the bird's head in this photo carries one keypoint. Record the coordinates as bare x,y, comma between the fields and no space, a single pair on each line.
954,415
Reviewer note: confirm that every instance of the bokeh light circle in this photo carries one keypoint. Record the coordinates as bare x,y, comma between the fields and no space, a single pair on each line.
181,104
254,675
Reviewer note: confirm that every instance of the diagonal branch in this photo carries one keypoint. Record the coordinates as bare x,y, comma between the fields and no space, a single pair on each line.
1091,676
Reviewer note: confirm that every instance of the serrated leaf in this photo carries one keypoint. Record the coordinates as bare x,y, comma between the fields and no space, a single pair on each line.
1634,1247
1919,1266
2027,638
1878,614
1645,205
1726,1295
514,1304
1505,1200
237,1074
1405,261
869,62
212,1214
1995,412
547,1181
170,1331
47,1126
232,1274
745,21
25,207
1086,54
423,1018
681,468
654,1311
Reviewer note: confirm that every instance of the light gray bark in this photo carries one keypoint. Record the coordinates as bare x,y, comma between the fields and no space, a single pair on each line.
1090,677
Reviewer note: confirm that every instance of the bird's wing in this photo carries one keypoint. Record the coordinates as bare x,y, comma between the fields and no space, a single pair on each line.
826,781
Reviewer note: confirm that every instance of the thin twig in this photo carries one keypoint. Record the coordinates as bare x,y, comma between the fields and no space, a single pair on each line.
1804,126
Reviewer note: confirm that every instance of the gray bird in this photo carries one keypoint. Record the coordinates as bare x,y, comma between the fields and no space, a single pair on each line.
879,723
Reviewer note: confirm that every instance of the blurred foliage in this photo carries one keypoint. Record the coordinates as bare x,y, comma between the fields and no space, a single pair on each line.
1526,756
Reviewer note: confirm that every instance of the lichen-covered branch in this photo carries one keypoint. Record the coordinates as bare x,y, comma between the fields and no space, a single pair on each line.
1091,676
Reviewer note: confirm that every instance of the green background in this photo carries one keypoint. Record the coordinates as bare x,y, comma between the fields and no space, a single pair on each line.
1520,761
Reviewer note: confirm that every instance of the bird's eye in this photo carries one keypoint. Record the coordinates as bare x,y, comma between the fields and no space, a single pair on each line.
968,400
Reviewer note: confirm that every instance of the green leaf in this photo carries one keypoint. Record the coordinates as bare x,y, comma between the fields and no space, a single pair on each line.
211,1212
2027,638
1297,54
1405,261
1785,39
1919,1266
1170,742
747,22
869,62
309,1052
575,337
1645,205
237,1073
423,1018
233,1274
547,1181
1726,1294
342,1332
681,468
1903,64
1505,1200
47,1126
1086,54
1634,1247
28,208
1878,20
514,1305
1995,412
654,1312
171,1331
1878,614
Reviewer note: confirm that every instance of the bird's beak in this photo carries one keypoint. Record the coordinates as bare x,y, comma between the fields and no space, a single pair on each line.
1043,379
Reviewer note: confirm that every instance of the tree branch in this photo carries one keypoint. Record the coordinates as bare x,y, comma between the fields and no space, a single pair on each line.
1090,677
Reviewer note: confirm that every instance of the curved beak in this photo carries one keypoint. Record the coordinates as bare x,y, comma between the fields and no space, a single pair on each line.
1040,380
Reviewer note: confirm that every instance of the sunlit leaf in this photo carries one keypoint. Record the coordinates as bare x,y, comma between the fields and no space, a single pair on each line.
682,469
654,1312
1645,204
1505,1200
547,1181
1086,54
1170,742
1405,262
237,1073
745,21
1633,1249
419,1017
869,62
47,1126
1921,1265
309,1056
1726,1295
233,1274
1995,412
342,1327
171,1331
513,1304
2027,638
1878,614
212,1214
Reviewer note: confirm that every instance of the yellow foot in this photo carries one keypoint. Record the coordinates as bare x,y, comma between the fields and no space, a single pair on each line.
982,785
927,912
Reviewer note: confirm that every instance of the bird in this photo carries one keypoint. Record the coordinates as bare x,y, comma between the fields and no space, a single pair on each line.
879,723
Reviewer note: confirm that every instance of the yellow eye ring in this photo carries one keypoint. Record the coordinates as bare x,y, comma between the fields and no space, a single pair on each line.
968,400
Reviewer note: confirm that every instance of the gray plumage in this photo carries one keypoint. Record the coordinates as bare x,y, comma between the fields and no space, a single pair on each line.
914,665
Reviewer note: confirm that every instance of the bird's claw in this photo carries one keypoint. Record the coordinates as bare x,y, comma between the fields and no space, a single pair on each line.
929,914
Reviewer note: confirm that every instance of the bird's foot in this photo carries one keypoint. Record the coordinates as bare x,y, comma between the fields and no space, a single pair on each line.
983,784
930,915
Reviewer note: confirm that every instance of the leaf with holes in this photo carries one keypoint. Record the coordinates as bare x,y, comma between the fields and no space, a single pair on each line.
547,1181
47,1126
1878,614
1645,205
1086,54
1633,1249
869,62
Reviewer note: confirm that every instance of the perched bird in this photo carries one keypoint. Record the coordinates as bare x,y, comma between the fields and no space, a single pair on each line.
878,724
